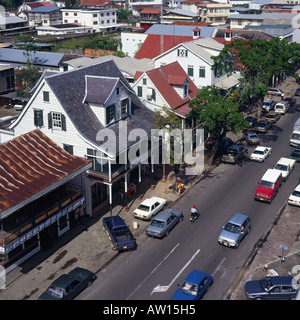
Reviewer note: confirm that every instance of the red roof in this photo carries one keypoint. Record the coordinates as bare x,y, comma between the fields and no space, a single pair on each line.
151,11
94,2
165,77
151,47
34,5
31,163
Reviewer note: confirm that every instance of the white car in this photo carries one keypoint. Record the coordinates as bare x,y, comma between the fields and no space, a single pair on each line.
260,153
150,207
294,198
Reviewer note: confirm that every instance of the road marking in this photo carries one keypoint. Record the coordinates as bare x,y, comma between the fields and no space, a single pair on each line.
160,288
219,267
165,258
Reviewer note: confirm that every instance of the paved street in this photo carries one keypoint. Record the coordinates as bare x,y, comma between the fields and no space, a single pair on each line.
164,263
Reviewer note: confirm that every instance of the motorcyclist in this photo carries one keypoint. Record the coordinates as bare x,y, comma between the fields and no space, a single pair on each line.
194,211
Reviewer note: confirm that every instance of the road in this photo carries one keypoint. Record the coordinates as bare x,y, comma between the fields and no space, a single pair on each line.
153,271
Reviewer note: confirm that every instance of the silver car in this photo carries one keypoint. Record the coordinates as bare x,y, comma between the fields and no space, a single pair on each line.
235,230
163,222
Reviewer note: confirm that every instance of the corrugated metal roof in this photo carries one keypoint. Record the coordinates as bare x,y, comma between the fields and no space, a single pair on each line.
40,58
31,163
43,9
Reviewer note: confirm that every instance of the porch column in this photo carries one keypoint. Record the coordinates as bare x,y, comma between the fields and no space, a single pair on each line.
88,196
110,198
126,184
140,172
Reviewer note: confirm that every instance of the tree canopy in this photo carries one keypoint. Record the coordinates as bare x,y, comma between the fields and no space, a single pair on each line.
216,114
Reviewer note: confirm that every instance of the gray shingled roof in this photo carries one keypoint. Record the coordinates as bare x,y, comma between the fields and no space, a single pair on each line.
69,88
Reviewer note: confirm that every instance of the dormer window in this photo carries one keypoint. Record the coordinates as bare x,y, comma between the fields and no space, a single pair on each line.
118,91
110,114
124,107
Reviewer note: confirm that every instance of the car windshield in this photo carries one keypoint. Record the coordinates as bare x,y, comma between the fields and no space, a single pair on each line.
281,167
144,208
261,124
267,184
230,227
189,288
266,284
260,152
279,107
295,136
253,136
157,223
55,292
270,116
296,193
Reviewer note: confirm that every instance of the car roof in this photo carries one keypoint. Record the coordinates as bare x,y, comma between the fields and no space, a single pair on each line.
261,148
164,215
268,100
196,276
281,280
271,175
150,201
238,218
63,281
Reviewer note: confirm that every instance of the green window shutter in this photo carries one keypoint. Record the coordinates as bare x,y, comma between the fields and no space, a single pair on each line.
49,120
140,91
38,118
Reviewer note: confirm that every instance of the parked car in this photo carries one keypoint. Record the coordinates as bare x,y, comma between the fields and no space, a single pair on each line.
297,92
234,153
273,116
224,144
69,285
282,107
296,154
275,91
263,126
290,100
268,105
163,222
251,137
235,230
260,153
294,198
194,286
149,208
252,121
275,287
268,186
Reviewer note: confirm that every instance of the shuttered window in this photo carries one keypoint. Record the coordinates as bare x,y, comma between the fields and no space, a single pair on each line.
38,118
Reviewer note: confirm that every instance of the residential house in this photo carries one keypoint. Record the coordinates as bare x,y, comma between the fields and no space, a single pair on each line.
172,15
42,194
169,86
150,16
195,58
27,6
44,16
132,41
217,13
77,109
100,20
12,25
95,4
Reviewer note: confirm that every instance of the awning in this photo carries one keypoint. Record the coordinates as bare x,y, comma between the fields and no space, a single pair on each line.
229,82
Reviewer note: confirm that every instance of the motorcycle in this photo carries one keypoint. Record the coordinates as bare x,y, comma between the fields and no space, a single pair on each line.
194,216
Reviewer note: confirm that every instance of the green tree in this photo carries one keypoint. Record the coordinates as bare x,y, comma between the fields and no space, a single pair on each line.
216,115
168,120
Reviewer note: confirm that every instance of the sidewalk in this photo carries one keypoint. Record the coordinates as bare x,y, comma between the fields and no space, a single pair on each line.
86,244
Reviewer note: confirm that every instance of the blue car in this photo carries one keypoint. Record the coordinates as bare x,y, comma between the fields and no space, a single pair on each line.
194,286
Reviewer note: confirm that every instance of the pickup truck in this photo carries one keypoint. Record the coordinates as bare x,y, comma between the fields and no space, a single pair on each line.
119,234
285,166
234,153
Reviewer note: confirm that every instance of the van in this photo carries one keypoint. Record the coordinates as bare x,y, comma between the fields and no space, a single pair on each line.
268,186
282,107
275,91
295,136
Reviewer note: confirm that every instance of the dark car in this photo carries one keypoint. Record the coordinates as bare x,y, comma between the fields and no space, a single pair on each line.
251,137
69,285
263,126
296,154
290,100
224,144
194,286
276,287
252,121
297,92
